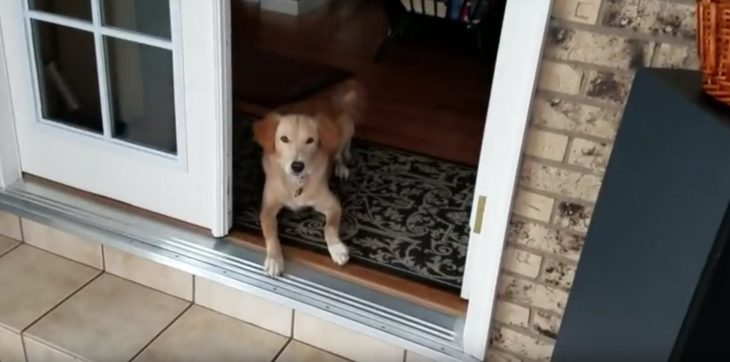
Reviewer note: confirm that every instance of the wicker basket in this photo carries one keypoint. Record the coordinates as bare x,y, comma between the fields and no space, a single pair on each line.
713,44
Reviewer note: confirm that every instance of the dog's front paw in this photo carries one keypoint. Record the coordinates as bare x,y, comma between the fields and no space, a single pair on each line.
274,265
339,253
342,171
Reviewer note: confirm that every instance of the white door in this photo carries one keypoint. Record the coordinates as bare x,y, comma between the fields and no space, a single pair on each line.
126,99
518,59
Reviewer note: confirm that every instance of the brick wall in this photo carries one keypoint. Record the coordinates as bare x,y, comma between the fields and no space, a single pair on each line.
592,50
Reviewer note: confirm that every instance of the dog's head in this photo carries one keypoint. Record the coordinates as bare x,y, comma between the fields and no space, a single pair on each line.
295,139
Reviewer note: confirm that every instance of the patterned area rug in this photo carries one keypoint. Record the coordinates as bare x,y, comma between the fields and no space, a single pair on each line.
402,213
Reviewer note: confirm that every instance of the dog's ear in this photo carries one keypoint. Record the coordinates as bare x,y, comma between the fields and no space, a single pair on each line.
329,135
264,132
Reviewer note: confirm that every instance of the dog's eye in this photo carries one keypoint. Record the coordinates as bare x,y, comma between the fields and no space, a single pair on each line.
310,140
284,139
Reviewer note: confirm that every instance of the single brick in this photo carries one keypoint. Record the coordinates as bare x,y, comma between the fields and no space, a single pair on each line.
580,118
541,237
595,48
675,56
521,262
532,205
521,344
608,86
579,11
545,144
512,314
573,216
589,154
655,17
497,356
560,77
560,181
558,273
545,324
531,293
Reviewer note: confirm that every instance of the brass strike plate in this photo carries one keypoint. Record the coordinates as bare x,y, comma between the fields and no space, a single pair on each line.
481,206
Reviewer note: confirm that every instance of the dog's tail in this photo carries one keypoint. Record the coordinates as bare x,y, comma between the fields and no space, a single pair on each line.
350,98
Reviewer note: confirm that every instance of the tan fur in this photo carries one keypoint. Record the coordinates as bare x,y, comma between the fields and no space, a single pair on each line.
316,133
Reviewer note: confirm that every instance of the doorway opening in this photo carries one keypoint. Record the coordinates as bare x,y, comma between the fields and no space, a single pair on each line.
427,67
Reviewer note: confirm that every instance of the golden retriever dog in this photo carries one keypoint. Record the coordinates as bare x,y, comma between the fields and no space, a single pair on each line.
303,143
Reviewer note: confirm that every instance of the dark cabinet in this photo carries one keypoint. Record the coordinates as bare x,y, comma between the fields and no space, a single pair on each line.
653,281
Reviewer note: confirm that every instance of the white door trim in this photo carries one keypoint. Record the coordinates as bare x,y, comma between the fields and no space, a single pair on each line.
515,74
9,156
224,123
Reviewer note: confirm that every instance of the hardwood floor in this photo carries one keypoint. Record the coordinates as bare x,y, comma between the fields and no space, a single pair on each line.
422,97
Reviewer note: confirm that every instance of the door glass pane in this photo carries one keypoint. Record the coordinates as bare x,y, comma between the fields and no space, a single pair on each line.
151,17
141,94
68,81
74,8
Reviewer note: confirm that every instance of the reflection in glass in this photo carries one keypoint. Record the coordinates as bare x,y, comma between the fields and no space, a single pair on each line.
80,9
141,94
151,17
68,81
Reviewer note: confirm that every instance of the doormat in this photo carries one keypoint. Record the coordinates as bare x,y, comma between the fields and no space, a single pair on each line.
270,80
403,213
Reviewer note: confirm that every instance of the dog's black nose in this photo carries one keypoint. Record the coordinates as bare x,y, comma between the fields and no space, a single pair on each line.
297,166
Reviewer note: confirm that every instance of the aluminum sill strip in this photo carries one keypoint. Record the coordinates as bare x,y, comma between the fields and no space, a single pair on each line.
411,326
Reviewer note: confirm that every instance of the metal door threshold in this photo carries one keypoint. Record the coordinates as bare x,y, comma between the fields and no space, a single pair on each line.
411,326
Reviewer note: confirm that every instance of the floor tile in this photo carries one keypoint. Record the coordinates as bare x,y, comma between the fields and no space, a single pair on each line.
297,351
39,352
126,314
10,226
243,306
11,346
415,357
7,244
203,335
62,243
33,281
343,341
146,272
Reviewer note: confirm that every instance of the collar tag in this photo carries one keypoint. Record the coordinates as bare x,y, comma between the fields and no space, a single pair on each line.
299,181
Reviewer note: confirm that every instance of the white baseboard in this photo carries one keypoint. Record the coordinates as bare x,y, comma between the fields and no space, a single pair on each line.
292,7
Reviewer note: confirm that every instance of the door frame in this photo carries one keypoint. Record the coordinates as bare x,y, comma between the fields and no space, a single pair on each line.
10,171
524,27
518,62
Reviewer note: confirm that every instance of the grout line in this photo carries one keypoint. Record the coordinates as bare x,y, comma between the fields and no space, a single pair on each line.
510,354
574,134
194,279
162,331
61,302
525,331
103,257
51,347
557,195
22,230
25,348
11,249
278,354
139,283
580,100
